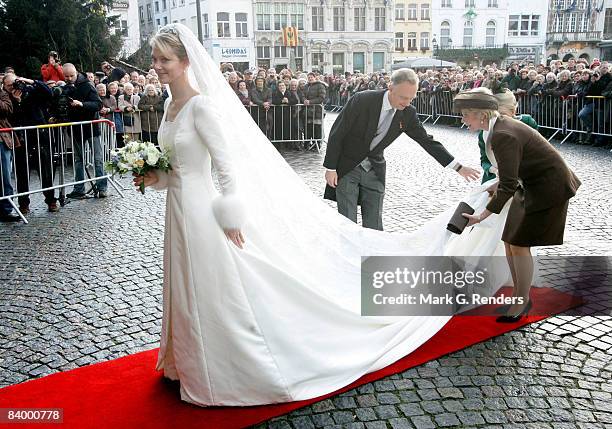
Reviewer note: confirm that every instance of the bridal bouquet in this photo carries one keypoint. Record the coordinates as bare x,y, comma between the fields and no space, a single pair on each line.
138,157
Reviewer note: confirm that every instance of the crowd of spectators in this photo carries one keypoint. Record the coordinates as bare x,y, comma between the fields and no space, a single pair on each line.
134,102
286,105
540,90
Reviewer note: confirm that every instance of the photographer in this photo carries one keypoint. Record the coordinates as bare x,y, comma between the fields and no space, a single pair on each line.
7,144
113,74
84,105
30,99
53,69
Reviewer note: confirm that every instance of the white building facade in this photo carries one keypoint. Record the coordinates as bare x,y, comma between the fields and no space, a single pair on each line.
469,23
227,28
526,32
360,33
127,24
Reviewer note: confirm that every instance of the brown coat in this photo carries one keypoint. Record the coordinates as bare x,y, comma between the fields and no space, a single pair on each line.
6,110
522,153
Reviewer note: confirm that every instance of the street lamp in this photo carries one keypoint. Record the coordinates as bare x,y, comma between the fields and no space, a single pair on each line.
434,43
328,44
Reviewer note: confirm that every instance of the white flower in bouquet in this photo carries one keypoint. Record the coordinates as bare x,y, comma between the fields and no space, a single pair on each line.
138,157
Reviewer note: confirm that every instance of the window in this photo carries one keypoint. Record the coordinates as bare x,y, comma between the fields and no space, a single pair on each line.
296,13
164,5
338,62
525,25
121,28
358,62
572,22
490,40
149,13
412,12
263,52
338,19
223,25
206,27
241,25
156,6
399,42
380,19
470,4
468,33
378,59
264,16
425,40
280,51
360,18
158,22
557,23
425,12
607,24
446,3
317,60
411,41
492,3
141,13
165,20
399,12
182,3
535,25
280,16
444,34
317,18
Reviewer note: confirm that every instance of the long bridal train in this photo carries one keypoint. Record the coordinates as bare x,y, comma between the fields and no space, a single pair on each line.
279,320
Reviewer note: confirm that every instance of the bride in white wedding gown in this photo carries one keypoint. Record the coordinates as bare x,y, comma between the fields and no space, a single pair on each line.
279,319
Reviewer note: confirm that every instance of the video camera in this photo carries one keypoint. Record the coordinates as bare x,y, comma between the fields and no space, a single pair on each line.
60,103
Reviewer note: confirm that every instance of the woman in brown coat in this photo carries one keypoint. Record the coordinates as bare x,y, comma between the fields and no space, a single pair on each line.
533,174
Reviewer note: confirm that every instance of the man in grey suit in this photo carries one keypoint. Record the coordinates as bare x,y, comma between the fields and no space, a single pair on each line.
369,123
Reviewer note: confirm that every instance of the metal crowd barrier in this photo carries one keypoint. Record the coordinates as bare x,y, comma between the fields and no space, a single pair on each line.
560,115
61,154
300,124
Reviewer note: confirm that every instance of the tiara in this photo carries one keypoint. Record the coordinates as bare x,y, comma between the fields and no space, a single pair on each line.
169,28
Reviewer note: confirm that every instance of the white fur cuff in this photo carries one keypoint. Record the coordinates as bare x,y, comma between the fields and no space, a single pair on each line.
229,210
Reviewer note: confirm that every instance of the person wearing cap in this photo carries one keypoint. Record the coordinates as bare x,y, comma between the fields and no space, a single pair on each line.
53,69
248,79
533,175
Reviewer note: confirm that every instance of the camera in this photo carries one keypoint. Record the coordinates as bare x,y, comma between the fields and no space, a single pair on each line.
19,85
60,104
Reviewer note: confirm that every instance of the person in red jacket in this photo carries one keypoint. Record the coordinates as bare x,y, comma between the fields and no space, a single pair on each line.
53,69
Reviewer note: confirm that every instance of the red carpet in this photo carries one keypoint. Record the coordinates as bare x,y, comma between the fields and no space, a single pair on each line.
129,393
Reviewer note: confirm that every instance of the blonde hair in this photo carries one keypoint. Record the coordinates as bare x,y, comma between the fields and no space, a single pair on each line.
169,42
488,114
506,103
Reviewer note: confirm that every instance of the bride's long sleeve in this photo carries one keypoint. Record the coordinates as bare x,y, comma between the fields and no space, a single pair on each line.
228,208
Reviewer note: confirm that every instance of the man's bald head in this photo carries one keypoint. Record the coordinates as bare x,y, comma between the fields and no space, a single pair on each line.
70,73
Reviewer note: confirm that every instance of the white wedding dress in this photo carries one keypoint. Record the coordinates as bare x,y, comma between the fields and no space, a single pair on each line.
279,320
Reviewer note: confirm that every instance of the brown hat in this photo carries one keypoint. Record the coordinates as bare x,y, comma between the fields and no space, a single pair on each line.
474,100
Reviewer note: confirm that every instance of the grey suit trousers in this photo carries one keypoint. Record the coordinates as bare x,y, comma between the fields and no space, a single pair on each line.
361,186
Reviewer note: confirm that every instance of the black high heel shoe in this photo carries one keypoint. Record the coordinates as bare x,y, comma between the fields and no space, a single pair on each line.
516,318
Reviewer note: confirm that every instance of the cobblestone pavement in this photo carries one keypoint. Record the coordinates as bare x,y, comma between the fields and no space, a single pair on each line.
84,285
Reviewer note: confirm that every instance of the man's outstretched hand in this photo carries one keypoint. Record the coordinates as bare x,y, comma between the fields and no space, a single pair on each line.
469,173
